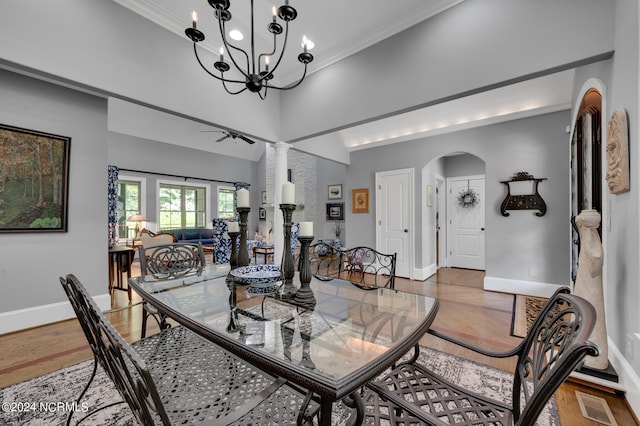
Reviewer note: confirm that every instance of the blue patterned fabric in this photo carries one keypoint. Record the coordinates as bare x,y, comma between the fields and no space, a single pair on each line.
221,240
295,228
112,204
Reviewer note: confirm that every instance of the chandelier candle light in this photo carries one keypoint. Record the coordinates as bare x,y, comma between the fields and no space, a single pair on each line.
287,267
305,295
243,210
255,75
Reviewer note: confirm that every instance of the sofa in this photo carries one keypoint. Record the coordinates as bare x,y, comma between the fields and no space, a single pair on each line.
193,235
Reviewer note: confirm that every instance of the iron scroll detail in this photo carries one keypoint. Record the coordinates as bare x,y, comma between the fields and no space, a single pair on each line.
523,202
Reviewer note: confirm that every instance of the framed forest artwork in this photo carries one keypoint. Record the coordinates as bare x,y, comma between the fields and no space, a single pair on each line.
34,180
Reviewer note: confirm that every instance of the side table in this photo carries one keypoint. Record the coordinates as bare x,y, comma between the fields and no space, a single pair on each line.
266,251
120,259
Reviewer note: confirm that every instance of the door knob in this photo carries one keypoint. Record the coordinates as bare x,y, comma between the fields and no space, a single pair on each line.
482,229
406,230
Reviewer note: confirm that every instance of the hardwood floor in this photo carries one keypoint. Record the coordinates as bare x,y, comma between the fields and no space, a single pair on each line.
466,311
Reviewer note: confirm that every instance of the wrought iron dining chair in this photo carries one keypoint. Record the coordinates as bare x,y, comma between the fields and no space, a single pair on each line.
177,377
168,261
555,345
324,260
368,266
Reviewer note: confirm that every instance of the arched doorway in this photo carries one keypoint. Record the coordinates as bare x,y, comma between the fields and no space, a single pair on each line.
586,164
438,176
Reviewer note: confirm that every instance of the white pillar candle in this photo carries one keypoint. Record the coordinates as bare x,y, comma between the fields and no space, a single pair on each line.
306,229
288,193
243,197
233,227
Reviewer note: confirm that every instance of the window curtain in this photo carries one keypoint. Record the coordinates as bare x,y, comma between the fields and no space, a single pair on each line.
112,204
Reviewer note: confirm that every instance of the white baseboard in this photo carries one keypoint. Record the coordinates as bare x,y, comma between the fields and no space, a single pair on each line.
424,273
628,378
530,288
39,315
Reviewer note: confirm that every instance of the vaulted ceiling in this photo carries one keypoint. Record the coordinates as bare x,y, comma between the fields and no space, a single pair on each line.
338,29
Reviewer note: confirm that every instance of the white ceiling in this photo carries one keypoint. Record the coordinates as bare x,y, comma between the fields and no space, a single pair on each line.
329,23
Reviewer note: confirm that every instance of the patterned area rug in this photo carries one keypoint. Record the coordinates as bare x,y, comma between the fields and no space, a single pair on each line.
525,311
46,400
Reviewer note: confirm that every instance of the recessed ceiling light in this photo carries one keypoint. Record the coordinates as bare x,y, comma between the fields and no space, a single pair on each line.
236,35
309,44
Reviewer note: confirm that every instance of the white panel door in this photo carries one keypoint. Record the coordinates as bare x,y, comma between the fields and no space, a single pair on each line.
465,230
394,217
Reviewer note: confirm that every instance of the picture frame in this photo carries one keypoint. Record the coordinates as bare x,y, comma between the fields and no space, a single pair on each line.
262,213
360,200
335,192
335,211
264,197
43,160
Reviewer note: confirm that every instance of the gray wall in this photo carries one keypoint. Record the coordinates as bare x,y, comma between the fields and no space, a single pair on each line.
475,44
622,275
30,264
329,173
538,145
128,57
134,153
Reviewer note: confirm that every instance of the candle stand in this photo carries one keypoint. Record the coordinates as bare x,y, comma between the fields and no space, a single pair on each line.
243,256
287,269
305,295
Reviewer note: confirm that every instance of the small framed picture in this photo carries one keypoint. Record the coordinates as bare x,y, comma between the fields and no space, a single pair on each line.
335,192
262,213
335,211
264,197
360,200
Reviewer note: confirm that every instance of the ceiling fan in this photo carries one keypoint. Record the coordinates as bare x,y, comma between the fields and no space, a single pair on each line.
230,134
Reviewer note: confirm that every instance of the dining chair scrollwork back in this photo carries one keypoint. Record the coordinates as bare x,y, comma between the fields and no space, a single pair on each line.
177,377
324,260
167,261
368,266
556,343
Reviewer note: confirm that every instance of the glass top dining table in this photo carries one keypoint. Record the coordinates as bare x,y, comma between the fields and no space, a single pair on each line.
330,349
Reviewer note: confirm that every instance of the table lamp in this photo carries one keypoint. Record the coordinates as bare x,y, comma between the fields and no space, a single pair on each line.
138,219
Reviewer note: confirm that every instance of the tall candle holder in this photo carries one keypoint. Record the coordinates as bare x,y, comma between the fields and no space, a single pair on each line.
287,268
233,260
243,256
305,295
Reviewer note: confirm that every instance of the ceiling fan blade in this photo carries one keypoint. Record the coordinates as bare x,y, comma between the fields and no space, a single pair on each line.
222,138
246,139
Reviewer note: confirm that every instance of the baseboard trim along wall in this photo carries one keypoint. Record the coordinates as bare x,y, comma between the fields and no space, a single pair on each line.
422,274
530,288
40,315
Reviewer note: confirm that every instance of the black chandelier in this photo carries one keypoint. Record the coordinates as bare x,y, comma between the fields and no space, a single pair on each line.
256,76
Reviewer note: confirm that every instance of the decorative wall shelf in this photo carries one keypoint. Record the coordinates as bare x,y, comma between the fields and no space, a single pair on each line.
523,202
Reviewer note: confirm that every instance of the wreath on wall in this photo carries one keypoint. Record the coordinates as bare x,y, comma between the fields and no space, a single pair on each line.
468,199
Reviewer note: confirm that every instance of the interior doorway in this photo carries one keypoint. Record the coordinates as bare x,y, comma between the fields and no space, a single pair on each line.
436,207
466,222
395,217
586,166
440,224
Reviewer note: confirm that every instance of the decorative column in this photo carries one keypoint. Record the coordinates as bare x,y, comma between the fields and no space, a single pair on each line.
279,178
